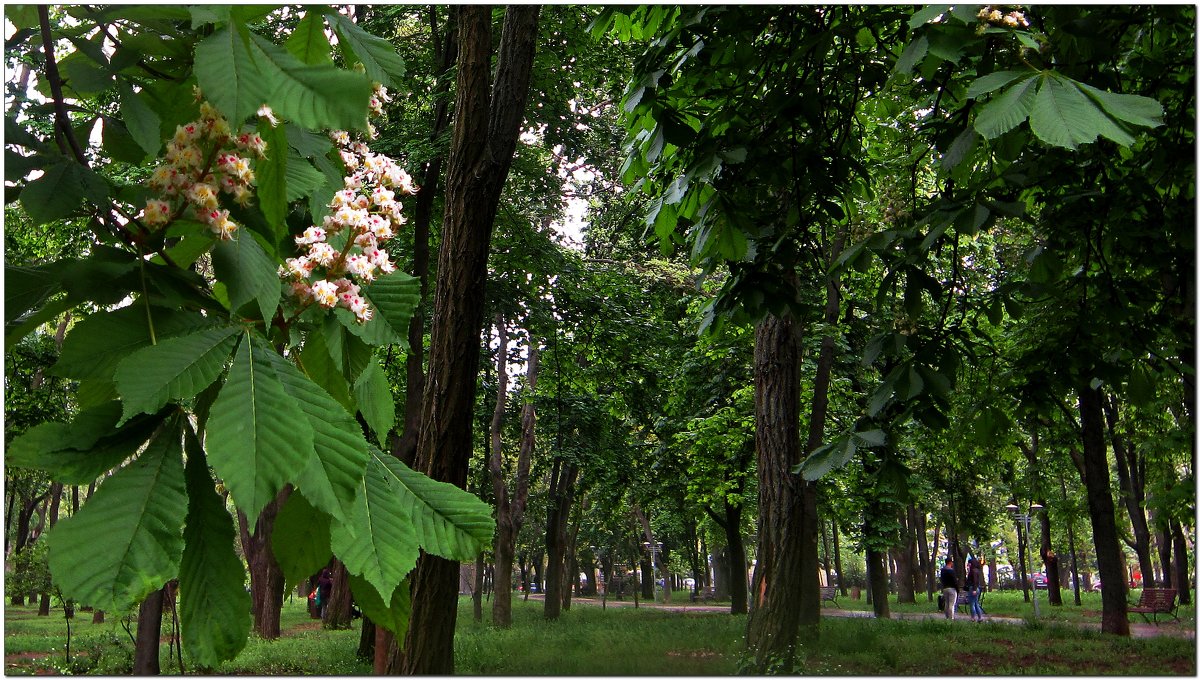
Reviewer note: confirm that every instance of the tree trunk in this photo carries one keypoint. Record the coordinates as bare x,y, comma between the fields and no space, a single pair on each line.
510,511
647,567
98,616
571,562
337,612
266,578
487,122
366,640
784,573
1182,574
1050,560
1133,490
658,556
1163,534
477,594
837,556
905,592
1062,486
1114,618
878,585
919,526
1022,541
404,447
562,485
826,557
149,630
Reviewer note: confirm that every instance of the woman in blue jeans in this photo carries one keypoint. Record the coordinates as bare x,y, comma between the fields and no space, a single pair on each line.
974,583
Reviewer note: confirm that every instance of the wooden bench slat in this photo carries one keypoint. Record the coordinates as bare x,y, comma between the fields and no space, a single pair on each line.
1156,601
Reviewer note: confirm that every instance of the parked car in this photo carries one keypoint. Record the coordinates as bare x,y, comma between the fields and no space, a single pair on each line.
1040,581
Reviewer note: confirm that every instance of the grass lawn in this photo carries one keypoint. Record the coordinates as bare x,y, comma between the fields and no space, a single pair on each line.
625,641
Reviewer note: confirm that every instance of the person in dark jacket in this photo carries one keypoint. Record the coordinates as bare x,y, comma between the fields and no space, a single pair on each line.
974,585
949,581
324,586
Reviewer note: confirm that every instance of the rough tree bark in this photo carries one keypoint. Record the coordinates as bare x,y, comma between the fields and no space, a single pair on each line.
562,488
149,631
780,576
1114,617
266,578
1131,479
510,509
837,555
487,121
1182,574
337,612
445,46
659,557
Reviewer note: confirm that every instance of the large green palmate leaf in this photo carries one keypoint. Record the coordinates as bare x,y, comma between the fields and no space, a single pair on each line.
378,57
1007,110
1131,109
331,475
140,120
318,365
27,288
127,540
375,402
378,542
313,96
395,297
79,452
393,613
374,332
214,605
1064,116
302,177
176,368
349,353
248,273
449,521
308,41
54,195
228,73
271,176
257,437
97,345
300,540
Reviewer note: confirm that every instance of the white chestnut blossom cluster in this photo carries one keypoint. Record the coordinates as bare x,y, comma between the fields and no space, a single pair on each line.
203,160
368,212
990,14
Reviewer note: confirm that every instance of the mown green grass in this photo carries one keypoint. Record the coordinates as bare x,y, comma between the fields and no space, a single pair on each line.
623,641
1012,604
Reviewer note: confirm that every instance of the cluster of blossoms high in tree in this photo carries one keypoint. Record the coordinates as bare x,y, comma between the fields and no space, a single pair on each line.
203,160
346,250
994,16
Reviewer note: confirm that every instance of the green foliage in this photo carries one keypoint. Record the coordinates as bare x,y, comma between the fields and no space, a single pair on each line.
139,511
174,326
214,604
256,436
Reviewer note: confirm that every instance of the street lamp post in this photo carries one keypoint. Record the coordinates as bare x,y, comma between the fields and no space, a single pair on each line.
1025,517
654,549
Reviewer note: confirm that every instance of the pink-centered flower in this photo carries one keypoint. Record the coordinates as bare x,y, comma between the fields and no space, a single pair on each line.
325,293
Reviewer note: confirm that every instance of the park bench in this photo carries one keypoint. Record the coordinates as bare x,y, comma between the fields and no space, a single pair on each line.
1156,601
830,593
706,595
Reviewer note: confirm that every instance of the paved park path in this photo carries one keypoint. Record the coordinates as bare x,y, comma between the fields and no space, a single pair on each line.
1136,629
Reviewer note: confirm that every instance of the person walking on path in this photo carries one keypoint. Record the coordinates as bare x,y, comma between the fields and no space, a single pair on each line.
974,584
949,582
